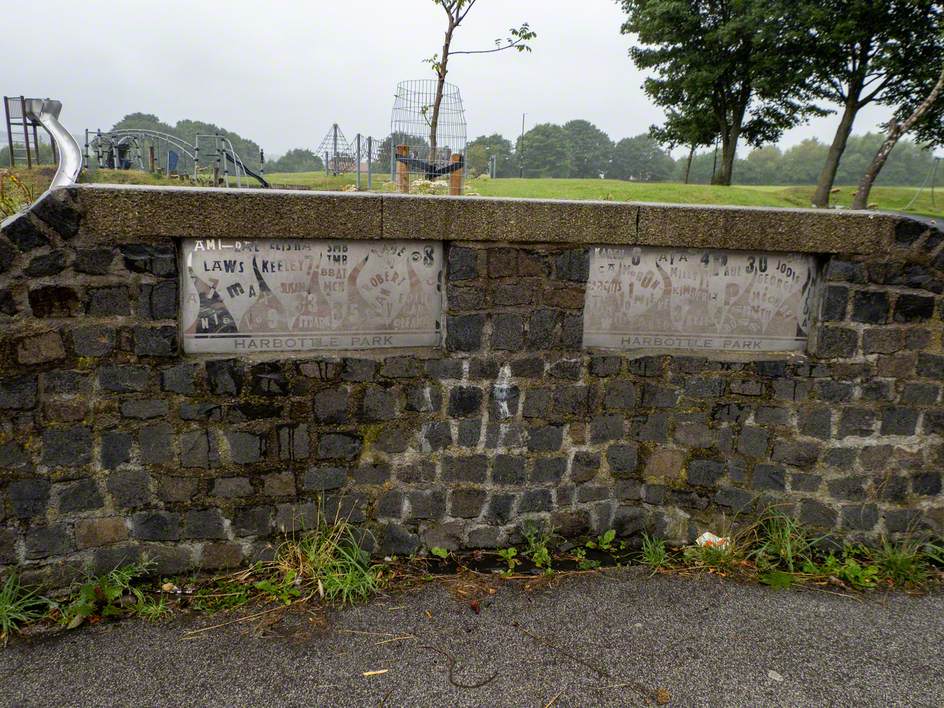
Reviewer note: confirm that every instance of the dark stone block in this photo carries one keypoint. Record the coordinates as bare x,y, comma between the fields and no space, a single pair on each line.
753,441
13,458
203,523
358,369
225,376
546,438
293,442
115,449
769,477
462,263
899,421
653,427
93,340
342,446
464,332
584,466
860,517
735,499
847,488
319,479
268,379
379,404
28,497
332,405
156,443
502,262
94,261
129,488
401,367
156,526
508,469
619,395
25,234
81,495
67,447
472,468
573,265
158,301
179,379
535,500
913,308
157,260
246,448
467,503
767,415
541,327
18,393
397,541
7,255
877,390
437,435
124,379
835,302
654,493
507,332
908,231
390,505
198,448
253,521
834,391
921,394
53,301
623,459
859,422
42,266
537,403
705,473
59,211
465,401
926,484
836,342
470,430
805,482
817,514
444,369
8,304
816,422
606,427
930,366
902,520
799,454
375,474
108,301
143,409
45,541
847,271
548,470
427,504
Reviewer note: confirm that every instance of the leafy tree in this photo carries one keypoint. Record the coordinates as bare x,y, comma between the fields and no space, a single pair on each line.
739,58
863,52
296,160
544,151
590,149
479,151
909,115
761,166
640,158
456,12
693,127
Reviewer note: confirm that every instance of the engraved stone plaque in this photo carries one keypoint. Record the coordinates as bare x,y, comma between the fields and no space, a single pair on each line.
676,298
259,295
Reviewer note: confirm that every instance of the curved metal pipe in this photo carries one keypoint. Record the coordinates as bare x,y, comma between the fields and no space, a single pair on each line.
70,154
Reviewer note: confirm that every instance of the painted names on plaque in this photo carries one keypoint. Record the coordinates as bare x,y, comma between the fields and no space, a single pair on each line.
671,298
258,295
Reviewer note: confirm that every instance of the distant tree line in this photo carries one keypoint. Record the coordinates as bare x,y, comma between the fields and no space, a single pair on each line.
734,73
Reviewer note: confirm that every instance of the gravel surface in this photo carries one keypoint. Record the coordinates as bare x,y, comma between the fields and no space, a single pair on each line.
615,638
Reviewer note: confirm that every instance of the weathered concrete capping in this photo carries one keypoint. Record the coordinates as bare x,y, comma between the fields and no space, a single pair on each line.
149,214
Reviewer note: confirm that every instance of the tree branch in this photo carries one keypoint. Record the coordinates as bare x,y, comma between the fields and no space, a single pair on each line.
490,51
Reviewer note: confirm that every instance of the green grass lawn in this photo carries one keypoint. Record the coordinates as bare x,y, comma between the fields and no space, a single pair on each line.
888,198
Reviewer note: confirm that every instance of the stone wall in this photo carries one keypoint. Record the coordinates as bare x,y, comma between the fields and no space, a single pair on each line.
113,444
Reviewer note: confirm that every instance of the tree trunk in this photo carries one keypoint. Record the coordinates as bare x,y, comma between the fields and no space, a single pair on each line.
827,176
729,143
861,200
440,83
688,164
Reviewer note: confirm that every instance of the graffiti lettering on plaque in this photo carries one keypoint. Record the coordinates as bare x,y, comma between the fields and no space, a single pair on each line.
265,295
662,298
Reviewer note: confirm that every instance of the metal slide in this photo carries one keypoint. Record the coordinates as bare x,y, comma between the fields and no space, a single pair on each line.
46,113
236,160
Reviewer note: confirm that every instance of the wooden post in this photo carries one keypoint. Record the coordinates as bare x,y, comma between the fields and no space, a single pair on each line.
151,160
455,178
403,171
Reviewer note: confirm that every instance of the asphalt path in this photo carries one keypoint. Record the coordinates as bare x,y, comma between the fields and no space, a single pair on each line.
615,638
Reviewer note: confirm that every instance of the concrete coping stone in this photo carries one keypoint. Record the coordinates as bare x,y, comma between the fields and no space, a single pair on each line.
146,214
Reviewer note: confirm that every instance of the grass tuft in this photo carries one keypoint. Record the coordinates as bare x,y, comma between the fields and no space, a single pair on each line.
19,606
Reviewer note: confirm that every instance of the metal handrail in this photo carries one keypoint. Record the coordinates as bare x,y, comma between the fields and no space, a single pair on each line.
46,112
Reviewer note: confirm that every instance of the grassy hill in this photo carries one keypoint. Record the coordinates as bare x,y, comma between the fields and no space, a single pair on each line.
888,198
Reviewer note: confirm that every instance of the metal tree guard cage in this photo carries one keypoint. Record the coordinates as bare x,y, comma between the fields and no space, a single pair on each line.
426,155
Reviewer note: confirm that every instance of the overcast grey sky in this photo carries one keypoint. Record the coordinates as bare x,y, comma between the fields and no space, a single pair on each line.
282,72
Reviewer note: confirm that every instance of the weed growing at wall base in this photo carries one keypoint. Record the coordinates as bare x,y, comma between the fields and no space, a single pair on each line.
19,606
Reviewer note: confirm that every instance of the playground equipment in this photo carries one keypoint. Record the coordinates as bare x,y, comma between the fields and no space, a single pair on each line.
424,151
29,115
22,131
209,157
341,156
